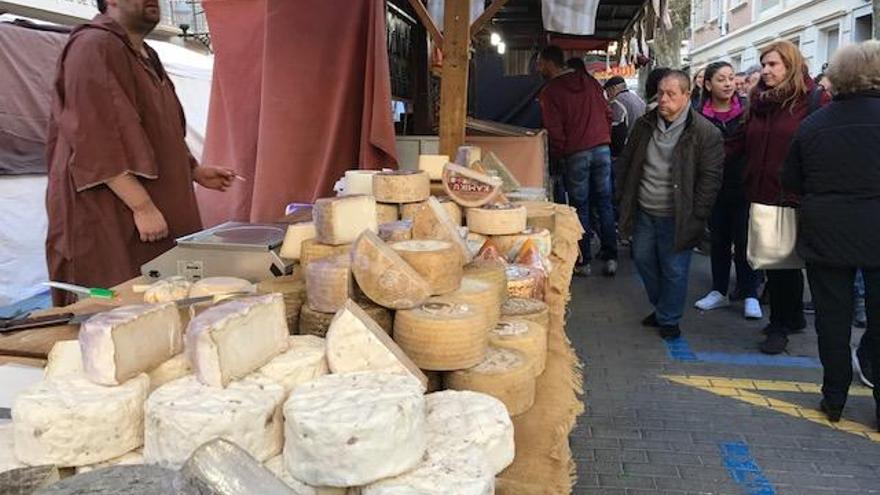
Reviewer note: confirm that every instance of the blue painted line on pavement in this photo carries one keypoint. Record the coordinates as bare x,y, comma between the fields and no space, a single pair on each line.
758,360
680,350
744,470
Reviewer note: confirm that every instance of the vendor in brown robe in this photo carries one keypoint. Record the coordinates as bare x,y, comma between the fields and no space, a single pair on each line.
120,174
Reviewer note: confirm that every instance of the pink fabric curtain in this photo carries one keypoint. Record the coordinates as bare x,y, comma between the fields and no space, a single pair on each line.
301,93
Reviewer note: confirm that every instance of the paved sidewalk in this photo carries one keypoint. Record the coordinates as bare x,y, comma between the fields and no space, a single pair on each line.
707,414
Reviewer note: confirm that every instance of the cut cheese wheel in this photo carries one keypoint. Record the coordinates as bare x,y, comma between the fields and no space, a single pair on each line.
468,155
524,336
293,289
510,245
442,335
465,474
396,231
329,283
176,367
293,239
304,360
492,163
122,343
231,340
483,296
276,466
71,421
313,322
462,420
468,187
313,250
384,276
438,262
493,273
433,165
527,309
401,186
167,290
490,253
475,241
354,429
357,343
386,213
424,224
340,220
499,219
64,359
132,458
358,182
437,225
525,282
530,256
505,374
184,414
214,286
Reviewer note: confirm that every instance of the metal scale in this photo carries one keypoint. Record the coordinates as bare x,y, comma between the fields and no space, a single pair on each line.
232,249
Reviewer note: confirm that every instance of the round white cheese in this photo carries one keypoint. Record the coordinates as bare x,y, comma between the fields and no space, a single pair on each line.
354,429
462,420
304,361
70,421
466,473
183,414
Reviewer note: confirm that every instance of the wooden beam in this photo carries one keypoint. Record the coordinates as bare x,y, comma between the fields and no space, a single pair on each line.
453,84
486,16
428,22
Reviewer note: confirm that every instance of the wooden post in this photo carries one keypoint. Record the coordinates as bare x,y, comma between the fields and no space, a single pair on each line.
453,84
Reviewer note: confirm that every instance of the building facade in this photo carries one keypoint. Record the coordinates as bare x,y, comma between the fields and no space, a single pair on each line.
737,30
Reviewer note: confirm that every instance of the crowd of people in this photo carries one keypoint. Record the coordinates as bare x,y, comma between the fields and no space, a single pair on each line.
699,153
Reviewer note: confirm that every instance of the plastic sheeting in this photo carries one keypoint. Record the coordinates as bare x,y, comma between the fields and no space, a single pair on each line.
570,16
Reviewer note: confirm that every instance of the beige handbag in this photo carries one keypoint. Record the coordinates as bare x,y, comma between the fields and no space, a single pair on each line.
772,238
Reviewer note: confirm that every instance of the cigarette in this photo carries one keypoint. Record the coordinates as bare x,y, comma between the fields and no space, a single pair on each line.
236,176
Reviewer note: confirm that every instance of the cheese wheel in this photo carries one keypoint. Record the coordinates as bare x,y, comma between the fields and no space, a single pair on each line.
276,466
386,212
442,335
510,245
358,182
493,273
383,317
354,429
433,165
304,360
468,187
467,473
341,220
396,231
167,290
438,262
329,283
427,228
483,296
215,286
313,250
293,290
524,336
436,224
505,374
313,322
462,420
293,239
523,281
70,421
527,309
497,219
184,414
401,186
384,276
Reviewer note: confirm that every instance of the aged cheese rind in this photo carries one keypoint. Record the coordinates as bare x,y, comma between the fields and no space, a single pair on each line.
527,309
497,219
65,358
387,212
465,474
341,220
329,283
293,239
304,360
442,335
119,344
384,276
525,336
505,374
401,186
355,428
357,343
184,414
71,421
231,340
439,226
396,231
510,245
438,262
425,225
313,322
481,295
313,250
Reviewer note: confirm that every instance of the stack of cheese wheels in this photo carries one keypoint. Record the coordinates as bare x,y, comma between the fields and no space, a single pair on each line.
497,219
401,186
510,245
527,309
525,336
524,281
505,374
329,283
494,274
316,323
438,262
384,276
313,250
442,335
482,296
424,224
387,212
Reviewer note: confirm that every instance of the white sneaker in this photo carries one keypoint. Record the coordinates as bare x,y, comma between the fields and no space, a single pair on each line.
752,309
713,300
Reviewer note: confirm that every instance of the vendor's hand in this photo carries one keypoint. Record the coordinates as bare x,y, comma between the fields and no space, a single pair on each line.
213,177
150,223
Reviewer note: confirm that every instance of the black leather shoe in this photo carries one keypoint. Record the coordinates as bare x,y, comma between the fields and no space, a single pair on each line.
776,343
833,413
670,332
651,321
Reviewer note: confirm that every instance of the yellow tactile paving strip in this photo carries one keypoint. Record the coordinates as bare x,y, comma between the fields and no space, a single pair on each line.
748,391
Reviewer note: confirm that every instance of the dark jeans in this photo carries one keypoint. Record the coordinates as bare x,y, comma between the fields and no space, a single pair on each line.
834,299
786,288
588,173
730,229
664,271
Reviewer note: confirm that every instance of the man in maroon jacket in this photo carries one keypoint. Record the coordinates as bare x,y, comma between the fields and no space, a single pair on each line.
578,121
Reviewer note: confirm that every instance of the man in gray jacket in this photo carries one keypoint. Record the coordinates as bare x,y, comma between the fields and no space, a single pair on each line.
669,175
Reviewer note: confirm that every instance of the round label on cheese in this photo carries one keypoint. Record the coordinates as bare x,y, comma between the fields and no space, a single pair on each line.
468,187
510,328
443,308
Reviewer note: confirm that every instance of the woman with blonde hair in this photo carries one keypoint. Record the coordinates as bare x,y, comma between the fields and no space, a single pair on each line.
834,165
783,98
